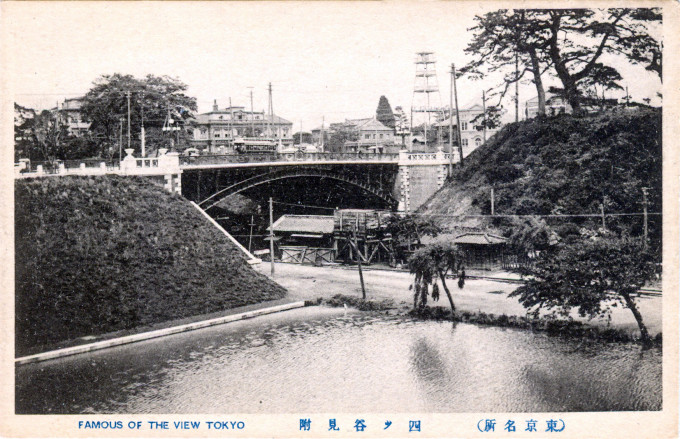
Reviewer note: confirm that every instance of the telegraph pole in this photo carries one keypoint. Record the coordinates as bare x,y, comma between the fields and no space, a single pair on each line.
644,205
252,114
120,141
271,112
271,234
516,86
128,121
356,246
455,95
493,202
143,137
323,133
451,128
484,115
250,237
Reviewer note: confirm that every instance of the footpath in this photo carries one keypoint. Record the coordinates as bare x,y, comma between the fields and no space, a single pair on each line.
488,295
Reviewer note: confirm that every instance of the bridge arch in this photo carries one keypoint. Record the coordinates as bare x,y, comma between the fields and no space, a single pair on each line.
297,172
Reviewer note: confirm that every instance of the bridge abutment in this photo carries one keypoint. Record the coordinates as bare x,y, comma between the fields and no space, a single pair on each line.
419,177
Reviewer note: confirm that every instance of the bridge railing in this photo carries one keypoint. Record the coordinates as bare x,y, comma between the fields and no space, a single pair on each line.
26,168
287,157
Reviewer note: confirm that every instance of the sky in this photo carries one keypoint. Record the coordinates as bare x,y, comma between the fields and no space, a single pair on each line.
326,61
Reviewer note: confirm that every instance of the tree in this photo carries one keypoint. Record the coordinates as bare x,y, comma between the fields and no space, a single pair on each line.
570,41
592,274
432,263
402,125
384,113
577,39
339,136
48,135
411,228
306,137
512,42
153,101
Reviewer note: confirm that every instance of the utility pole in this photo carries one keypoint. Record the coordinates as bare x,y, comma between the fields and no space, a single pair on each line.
142,135
250,237
356,246
484,115
231,123
493,202
644,205
516,86
271,112
252,114
128,121
323,133
120,141
271,234
455,96
451,128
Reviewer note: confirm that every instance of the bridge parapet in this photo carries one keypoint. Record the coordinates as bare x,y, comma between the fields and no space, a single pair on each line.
235,160
165,166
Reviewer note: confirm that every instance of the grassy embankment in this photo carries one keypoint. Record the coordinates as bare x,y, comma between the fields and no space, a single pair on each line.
552,327
96,255
555,166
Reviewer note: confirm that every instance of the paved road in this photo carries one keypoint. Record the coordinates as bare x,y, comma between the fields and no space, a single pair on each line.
308,282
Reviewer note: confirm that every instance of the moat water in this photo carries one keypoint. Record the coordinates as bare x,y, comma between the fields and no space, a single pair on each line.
330,360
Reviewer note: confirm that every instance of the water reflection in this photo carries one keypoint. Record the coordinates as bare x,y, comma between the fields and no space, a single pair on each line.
322,360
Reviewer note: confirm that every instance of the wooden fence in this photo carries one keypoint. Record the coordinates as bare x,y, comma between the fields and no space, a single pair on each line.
307,255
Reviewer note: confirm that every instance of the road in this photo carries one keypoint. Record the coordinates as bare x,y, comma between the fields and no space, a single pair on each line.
479,295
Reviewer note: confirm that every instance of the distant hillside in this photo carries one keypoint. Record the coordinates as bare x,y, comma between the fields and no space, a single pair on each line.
95,255
559,165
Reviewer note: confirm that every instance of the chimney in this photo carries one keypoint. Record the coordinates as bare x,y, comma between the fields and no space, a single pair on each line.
215,105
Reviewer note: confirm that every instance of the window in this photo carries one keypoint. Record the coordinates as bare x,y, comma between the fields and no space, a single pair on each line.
367,136
478,141
465,142
381,136
464,125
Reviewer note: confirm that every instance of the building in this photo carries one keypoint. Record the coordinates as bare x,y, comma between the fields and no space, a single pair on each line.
70,114
216,130
553,105
372,136
471,137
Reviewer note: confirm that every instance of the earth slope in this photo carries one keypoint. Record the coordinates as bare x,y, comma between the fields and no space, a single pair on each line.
95,255
557,166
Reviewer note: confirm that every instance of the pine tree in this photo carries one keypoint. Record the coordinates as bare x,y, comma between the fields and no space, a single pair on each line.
384,113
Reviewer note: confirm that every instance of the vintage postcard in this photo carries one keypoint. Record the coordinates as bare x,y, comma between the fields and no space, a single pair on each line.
340,219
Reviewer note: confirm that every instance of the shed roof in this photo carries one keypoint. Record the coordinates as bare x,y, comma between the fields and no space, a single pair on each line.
475,238
322,224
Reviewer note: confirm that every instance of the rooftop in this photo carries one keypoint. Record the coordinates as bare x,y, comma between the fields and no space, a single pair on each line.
318,224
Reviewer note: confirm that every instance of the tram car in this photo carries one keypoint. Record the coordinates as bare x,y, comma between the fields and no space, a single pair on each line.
254,145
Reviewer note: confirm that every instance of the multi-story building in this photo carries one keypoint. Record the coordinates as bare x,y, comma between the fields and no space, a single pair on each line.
216,130
70,113
371,135
471,137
